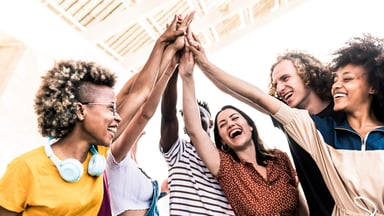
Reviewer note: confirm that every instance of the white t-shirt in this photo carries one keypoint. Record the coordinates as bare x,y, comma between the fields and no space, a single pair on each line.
129,188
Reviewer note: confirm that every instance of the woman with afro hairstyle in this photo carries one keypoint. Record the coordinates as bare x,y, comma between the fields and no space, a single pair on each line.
76,109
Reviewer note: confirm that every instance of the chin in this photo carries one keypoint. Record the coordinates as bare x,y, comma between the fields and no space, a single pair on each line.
291,104
338,108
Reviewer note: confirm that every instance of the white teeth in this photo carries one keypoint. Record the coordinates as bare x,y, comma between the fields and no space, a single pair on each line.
112,129
234,132
287,95
339,95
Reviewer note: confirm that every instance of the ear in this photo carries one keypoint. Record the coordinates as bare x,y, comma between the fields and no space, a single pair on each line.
371,91
210,123
80,111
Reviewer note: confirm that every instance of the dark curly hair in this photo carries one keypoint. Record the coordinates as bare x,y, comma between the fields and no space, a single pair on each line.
262,153
366,51
313,73
202,104
62,87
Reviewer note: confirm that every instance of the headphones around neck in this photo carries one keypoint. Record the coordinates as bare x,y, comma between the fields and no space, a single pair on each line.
71,169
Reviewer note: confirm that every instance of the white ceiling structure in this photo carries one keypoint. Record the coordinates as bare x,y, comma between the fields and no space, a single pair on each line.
126,29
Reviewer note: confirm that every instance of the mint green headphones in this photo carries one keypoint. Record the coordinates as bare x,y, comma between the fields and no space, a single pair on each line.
71,169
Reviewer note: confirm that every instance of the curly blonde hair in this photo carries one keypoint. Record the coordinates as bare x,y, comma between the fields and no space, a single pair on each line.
314,74
60,91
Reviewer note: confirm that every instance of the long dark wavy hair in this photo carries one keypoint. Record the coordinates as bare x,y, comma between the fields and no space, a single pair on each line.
262,153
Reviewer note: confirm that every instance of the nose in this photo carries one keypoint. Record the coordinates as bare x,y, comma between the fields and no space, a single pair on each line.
279,88
231,123
117,117
336,84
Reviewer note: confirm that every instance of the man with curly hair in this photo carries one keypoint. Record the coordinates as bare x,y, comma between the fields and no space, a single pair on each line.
301,81
76,108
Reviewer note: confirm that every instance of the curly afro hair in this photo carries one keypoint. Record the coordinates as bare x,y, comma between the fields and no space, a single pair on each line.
366,51
313,73
59,93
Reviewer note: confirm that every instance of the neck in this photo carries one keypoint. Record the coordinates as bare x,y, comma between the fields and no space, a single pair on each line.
314,104
363,120
71,147
248,154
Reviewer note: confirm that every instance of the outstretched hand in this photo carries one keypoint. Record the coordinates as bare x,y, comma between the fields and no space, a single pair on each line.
186,63
171,32
195,47
182,26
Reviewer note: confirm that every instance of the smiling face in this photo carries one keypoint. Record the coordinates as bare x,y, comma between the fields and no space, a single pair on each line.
351,90
233,129
99,119
289,85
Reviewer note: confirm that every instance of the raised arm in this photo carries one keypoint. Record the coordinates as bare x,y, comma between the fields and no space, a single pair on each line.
199,137
133,130
169,131
232,85
136,90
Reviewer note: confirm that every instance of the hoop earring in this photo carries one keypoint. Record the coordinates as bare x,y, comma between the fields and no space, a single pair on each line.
225,148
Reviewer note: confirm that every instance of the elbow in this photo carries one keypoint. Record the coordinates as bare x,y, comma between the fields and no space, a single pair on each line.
146,116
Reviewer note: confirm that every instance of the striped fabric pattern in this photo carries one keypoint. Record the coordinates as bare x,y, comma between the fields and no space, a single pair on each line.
193,189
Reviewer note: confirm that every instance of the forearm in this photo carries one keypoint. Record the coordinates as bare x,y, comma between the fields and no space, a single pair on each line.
148,75
199,137
150,106
166,60
136,126
190,108
132,97
240,89
234,94
169,122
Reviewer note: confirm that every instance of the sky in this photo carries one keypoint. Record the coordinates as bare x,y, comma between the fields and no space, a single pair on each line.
318,27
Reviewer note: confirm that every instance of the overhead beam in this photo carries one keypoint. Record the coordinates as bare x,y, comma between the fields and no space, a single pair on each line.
136,59
49,35
198,25
120,21
283,9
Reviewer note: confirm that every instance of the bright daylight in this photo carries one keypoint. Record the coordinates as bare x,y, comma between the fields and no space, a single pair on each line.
243,38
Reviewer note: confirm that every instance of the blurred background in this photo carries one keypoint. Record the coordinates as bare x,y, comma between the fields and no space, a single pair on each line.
242,37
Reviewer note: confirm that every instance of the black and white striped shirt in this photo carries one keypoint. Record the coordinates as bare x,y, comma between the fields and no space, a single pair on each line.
193,189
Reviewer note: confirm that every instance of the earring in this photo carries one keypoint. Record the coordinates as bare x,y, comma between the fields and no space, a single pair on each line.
224,147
